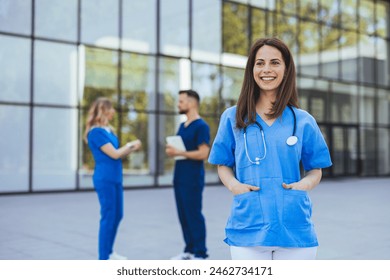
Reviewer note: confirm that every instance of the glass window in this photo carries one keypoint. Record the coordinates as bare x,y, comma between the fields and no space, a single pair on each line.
309,48
206,80
169,82
174,27
99,22
383,151
168,125
54,149
136,171
344,103
308,9
235,29
348,9
338,158
232,79
383,106
367,150
15,61
138,81
367,16
349,55
98,75
366,59
55,73
15,16
14,148
139,26
267,4
206,20
314,97
328,12
329,54
259,24
287,6
367,105
56,19
382,11
382,62
286,30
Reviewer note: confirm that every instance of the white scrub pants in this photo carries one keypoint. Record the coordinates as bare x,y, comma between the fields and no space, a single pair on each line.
272,253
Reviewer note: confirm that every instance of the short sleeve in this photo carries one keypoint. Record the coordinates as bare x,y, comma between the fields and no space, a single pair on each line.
222,151
203,135
98,137
315,152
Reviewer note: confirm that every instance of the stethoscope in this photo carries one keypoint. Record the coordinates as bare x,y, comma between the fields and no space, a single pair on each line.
291,141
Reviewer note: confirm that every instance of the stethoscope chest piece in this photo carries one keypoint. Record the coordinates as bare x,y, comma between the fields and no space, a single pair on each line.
292,140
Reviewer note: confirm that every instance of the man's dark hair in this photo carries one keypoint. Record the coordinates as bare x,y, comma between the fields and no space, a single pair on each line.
191,93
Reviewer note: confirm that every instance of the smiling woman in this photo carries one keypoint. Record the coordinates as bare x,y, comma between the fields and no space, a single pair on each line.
271,212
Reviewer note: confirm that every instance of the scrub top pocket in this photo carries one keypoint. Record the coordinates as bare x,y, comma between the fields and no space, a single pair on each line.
246,212
296,209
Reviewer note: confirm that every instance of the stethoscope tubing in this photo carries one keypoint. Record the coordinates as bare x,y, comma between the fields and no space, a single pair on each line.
291,141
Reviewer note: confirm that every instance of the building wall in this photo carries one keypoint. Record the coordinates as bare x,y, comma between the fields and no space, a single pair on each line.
57,56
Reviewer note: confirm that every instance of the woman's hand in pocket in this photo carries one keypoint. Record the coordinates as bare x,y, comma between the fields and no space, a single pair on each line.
240,188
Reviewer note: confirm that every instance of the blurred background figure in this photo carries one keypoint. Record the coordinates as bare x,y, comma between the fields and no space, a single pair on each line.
107,177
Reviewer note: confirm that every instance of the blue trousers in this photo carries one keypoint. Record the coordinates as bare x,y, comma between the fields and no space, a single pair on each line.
111,212
189,208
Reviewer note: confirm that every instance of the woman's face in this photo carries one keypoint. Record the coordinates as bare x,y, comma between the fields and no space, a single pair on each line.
269,69
110,113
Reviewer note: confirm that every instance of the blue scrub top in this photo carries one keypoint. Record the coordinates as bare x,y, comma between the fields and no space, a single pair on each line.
106,168
194,135
272,216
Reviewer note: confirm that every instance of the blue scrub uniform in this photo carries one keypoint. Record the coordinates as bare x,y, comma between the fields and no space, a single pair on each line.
188,182
272,216
107,180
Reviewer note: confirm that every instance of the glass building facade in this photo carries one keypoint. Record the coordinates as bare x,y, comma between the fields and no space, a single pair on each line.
57,56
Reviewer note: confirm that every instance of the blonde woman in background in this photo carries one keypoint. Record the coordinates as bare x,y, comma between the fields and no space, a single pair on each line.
107,177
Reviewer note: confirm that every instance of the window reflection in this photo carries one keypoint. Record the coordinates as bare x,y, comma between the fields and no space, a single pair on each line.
382,62
308,9
367,105
136,171
344,103
348,13
382,10
349,55
383,107
206,20
56,19
98,75
99,22
55,83
138,81
383,151
329,52
235,29
366,16
15,69
139,31
286,31
174,27
231,85
14,148
207,82
15,16
54,156
329,12
367,150
308,48
366,59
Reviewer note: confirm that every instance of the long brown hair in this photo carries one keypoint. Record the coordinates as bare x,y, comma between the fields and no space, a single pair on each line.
97,114
287,92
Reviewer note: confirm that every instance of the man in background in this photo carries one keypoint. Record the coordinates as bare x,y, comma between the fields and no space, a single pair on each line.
189,176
